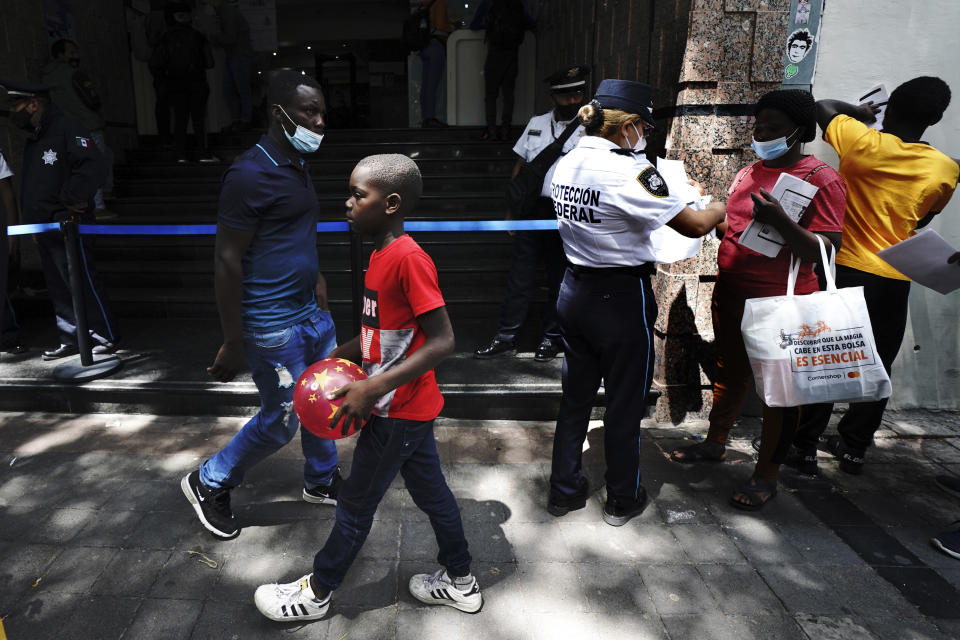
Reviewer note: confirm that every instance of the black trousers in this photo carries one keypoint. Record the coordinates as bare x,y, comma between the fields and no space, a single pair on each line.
161,110
189,101
500,76
53,259
529,247
887,303
607,321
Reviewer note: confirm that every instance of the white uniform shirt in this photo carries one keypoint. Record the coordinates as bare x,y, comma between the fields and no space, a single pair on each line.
541,131
607,204
5,171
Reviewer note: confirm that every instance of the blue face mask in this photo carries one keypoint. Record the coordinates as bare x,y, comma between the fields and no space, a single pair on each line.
303,140
772,149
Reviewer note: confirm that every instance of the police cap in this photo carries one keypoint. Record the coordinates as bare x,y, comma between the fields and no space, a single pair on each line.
568,79
15,91
627,95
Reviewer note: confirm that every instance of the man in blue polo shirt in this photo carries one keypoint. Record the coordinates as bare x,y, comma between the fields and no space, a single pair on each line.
272,300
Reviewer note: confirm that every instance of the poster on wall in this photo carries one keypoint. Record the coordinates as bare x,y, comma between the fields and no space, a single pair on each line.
262,17
799,55
58,21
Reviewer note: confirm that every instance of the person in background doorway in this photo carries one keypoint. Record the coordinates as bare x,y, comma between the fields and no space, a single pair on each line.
434,58
74,92
233,35
505,24
182,58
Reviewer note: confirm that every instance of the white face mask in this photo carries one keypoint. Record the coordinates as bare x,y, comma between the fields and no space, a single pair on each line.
303,140
641,141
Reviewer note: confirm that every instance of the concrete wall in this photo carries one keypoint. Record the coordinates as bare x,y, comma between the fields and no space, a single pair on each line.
905,40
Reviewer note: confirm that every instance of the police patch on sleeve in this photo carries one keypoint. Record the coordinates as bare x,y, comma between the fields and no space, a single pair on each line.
653,182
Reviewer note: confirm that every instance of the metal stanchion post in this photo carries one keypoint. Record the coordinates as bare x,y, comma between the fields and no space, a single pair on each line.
356,279
88,369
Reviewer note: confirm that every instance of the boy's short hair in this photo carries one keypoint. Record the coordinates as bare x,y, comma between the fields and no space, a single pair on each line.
283,87
921,100
395,173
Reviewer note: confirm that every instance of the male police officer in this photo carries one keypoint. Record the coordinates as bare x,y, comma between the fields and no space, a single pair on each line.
62,170
566,92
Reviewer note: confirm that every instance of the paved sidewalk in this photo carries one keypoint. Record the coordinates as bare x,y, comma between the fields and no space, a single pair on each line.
97,541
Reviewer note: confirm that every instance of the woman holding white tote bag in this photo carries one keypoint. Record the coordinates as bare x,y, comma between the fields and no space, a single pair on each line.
784,120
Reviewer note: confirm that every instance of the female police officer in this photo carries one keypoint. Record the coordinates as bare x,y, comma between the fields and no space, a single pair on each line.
608,200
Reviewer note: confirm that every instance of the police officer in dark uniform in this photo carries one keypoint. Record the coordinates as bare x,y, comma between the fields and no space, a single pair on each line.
567,87
608,199
62,170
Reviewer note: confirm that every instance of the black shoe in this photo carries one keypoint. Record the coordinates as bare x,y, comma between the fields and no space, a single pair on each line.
618,512
324,494
495,348
803,461
63,351
106,348
548,350
560,505
850,461
212,506
14,348
433,123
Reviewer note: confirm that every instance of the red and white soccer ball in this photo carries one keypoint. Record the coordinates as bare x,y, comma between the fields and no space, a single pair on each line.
310,395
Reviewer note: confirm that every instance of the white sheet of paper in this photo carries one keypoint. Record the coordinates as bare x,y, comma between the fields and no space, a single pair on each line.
794,195
877,95
923,259
668,245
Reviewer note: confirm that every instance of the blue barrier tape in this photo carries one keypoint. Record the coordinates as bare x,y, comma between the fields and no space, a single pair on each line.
322,227
149,229
27,229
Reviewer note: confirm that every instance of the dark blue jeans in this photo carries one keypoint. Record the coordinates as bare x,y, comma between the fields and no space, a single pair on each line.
434,57
388,446
277,359
607,322
529,247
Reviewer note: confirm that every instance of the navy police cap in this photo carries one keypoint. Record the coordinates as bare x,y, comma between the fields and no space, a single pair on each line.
13,91
627,95
568,79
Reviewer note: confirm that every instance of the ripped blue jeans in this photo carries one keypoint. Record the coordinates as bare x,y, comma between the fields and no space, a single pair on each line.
277,359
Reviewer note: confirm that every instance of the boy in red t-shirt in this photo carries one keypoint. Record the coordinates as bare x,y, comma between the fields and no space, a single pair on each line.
406,333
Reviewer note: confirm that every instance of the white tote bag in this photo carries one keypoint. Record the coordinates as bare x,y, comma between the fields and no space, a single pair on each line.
813,348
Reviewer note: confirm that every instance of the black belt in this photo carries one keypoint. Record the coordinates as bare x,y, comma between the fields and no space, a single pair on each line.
646,269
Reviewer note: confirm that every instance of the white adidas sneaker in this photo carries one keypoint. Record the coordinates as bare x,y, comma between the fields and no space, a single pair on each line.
291,601
439,588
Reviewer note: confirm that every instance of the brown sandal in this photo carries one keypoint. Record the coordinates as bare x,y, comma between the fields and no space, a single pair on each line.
706,451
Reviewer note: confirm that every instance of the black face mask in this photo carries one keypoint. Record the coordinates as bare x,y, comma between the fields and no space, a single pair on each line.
567,111
74,62
21,120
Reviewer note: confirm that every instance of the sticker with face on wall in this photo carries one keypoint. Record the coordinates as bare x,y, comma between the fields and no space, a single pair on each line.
803,12
799,45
